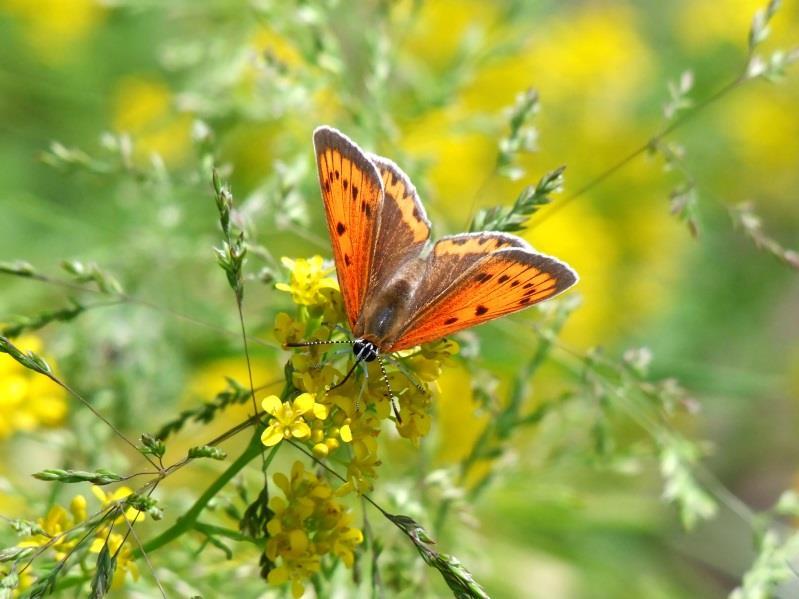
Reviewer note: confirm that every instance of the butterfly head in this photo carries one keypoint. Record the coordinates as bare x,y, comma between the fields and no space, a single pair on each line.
364,350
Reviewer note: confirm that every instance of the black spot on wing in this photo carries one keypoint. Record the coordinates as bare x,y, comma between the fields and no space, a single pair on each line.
482,277
480,310
341,229
451,320
503,278
354,193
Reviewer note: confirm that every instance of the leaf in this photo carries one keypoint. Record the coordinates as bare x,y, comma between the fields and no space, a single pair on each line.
457,577
104,575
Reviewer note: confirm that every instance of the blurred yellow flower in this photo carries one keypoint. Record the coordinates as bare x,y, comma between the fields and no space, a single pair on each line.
701,24
144,108
57,522
28,400
54,27
119,493
25,581
287,418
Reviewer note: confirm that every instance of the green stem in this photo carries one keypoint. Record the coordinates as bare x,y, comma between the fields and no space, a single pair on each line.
187,521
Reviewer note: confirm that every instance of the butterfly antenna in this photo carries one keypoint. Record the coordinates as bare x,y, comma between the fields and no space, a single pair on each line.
391,396
311,343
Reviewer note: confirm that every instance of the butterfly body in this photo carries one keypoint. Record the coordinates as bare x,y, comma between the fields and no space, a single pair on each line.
389,306
399,289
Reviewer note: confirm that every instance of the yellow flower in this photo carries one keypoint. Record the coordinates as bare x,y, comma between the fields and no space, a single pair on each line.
361,470
308,281
288,330
297,571
54,524
119,493
309,375
307,524
28,400
288,421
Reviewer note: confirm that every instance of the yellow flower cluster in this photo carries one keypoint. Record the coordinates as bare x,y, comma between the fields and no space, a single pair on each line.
342,423
308,524
28,400
59,523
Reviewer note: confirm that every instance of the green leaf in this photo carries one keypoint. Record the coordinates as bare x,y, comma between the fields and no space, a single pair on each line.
104,575
457,577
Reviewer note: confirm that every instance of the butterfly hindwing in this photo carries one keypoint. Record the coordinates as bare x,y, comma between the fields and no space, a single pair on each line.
353,194
510,278
455,254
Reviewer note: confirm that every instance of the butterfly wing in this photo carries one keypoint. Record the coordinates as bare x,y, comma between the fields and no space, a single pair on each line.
473,278
352,191
404,227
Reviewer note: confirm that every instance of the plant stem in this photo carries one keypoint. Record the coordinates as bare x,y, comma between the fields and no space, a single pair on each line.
187,521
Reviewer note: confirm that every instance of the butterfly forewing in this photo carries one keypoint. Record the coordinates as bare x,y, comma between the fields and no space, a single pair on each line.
501,282
404,228
353,195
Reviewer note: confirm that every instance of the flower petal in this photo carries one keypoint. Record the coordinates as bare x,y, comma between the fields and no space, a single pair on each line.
298,540
320,411
300,430
279,575
272,435
345,432
303,403
271,404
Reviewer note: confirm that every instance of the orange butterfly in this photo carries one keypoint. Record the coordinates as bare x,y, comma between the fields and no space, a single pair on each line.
399,290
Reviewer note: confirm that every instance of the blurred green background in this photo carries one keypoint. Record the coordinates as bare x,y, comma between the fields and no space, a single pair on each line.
150,90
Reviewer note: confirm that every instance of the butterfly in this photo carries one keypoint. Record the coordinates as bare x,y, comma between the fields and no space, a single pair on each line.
399,289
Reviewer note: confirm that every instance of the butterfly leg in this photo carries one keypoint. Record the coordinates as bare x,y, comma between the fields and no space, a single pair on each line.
408,374
346,377
392,398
